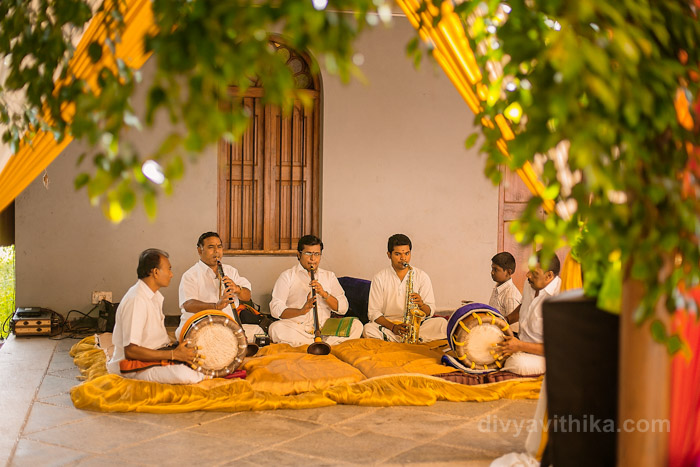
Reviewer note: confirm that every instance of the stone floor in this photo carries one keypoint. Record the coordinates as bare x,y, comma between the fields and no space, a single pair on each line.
40,426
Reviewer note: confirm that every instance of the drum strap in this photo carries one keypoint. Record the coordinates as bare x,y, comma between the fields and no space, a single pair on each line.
132,366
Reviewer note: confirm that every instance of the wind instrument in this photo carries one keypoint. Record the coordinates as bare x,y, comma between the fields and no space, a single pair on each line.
318,347
412,315
251,349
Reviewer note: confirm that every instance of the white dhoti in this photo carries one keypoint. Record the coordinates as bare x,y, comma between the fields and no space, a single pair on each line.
431,329
170,374
286,331
525,364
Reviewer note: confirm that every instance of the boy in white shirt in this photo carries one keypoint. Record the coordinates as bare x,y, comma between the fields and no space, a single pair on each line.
505,296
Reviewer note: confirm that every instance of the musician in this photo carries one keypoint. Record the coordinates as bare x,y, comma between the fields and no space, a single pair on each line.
505,296
292,300
200,286
139,335
526,352
387,298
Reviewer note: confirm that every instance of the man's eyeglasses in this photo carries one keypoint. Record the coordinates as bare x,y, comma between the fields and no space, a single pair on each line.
311,253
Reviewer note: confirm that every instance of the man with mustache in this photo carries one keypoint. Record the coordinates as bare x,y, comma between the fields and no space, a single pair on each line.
200,288
142,347
293,303
526,353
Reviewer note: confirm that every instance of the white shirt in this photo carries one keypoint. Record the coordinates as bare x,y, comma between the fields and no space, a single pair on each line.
506,297
531,311
139,321
292,288
201,283
387,294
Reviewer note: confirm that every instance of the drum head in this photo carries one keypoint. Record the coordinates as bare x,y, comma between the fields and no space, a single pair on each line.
220,340
472,332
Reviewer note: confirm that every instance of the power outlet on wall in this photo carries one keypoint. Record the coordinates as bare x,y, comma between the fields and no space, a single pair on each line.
98,296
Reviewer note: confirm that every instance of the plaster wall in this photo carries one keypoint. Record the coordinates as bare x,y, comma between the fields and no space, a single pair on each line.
393,160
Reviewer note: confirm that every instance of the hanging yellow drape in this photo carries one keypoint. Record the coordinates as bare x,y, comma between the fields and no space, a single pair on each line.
455,56
30,160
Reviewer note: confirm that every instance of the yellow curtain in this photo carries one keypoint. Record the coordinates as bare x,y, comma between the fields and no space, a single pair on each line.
456,58
30,160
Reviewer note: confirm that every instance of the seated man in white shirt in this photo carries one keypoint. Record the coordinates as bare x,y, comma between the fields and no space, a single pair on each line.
201,288
139,335
526,353
292,300
387,298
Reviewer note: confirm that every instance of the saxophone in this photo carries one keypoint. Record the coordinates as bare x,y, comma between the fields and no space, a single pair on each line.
412,315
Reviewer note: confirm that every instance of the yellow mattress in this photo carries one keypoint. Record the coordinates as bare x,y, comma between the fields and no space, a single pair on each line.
366,372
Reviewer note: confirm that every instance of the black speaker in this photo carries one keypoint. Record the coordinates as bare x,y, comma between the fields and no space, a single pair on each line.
581,350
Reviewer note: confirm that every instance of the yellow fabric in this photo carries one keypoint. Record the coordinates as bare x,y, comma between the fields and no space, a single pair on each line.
30,160
297,372
571,277
287,367
456,58
375,357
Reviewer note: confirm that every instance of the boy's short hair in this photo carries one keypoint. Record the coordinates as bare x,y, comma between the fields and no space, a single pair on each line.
398,240
554,264
505,261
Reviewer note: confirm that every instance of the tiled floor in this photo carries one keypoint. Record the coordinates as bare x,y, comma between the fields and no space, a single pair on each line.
40,426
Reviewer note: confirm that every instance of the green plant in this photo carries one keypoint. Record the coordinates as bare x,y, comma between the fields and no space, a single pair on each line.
7,287
589,89
201,48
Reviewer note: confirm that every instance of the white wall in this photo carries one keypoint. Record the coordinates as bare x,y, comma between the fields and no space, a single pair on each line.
393,161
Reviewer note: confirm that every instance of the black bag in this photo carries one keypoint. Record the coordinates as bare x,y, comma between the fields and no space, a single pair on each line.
249,312
106,316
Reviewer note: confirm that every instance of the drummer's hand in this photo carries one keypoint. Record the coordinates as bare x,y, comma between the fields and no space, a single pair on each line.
400,329
316,285
507,347
230,285
187,353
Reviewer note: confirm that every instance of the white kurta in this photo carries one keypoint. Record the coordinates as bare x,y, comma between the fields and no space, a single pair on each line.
291,291
531,329
201,283
506,298
387,298
140,321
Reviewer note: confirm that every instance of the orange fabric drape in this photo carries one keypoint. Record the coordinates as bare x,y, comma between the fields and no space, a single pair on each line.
456,58
684,438
30,160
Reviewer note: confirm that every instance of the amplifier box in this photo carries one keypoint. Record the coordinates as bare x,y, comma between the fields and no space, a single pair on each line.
32,322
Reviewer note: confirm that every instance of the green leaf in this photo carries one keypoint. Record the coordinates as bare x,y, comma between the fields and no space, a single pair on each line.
149,204
95,51
658,331
81,180
471,140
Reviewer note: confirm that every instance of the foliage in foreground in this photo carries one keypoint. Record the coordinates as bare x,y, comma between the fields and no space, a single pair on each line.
589,88
7,286
202,47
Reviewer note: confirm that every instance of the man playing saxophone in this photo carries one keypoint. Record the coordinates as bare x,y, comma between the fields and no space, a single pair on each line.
390,295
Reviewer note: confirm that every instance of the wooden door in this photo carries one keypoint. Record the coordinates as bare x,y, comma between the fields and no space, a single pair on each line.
512,199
